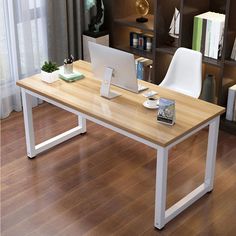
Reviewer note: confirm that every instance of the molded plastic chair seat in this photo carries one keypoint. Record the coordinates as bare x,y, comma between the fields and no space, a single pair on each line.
184,74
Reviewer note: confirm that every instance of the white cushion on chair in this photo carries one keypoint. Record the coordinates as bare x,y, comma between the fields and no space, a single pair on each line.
184,74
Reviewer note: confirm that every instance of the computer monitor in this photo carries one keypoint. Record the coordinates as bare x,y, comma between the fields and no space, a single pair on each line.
115,67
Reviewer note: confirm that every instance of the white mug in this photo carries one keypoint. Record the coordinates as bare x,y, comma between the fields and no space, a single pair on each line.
152,102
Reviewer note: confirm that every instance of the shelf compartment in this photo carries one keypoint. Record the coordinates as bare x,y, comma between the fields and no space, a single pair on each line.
230,62
212,61
171,50
131,21
135,51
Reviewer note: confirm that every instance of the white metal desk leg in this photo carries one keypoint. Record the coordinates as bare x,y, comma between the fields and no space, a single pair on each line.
211,153
28,121
161,183
82,124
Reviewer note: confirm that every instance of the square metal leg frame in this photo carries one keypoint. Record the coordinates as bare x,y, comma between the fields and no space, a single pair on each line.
32,149
163,216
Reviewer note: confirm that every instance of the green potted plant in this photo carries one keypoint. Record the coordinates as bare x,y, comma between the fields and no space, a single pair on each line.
49,72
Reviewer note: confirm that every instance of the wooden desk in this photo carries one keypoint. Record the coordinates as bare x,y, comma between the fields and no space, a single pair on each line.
126,115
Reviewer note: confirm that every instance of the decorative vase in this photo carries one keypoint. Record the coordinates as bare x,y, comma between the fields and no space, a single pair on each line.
68,68
142,8
49,77
209,88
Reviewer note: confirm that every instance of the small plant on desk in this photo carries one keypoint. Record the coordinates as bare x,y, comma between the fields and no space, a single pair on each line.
49,72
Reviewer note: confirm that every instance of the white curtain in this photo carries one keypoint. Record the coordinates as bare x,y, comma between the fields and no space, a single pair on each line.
23,47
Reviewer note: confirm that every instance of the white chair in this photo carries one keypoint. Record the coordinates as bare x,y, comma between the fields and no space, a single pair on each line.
184,74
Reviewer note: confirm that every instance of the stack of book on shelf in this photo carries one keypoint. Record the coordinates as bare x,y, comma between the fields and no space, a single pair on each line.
233,54
143,68
141,41
231,104
208,34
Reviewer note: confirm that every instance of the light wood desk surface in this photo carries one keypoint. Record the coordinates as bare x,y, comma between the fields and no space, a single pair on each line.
126,112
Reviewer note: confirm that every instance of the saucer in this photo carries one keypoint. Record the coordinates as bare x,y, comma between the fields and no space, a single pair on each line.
145,104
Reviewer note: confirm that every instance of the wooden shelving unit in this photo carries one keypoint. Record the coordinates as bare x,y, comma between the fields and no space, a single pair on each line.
121,19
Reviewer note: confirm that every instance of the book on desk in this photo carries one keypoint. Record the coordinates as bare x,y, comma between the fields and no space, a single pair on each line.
70,77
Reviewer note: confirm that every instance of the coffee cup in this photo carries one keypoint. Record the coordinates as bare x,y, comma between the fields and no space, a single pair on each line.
152,102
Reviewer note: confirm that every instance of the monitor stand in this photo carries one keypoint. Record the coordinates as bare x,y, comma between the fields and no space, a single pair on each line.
106,84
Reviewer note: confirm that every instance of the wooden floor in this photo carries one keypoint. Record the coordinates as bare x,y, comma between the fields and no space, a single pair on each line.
102,183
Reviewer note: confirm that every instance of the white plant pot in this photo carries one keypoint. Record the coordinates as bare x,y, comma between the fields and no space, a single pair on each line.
49,77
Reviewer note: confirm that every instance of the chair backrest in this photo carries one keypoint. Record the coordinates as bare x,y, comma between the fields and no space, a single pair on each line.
184,74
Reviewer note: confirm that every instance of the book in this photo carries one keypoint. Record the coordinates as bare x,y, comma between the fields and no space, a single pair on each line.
230,103
208,36
136,66
149,78
143,68
233,53
133,39
140,42
221,39
213,39
216,41
203,39
148,38
234,117
70,77
197,33
147,69
166,111
140,70
131,36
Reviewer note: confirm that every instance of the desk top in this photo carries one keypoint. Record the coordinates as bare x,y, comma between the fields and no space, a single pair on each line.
126,111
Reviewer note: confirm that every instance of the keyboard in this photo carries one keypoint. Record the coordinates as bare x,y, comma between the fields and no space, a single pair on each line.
141,87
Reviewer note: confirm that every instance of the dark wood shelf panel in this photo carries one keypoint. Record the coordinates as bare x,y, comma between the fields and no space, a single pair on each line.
212,61
228,126
207,60
230,62
167,49
135,51
131,21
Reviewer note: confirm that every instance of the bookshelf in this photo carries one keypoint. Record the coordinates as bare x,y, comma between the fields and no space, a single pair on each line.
121,19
